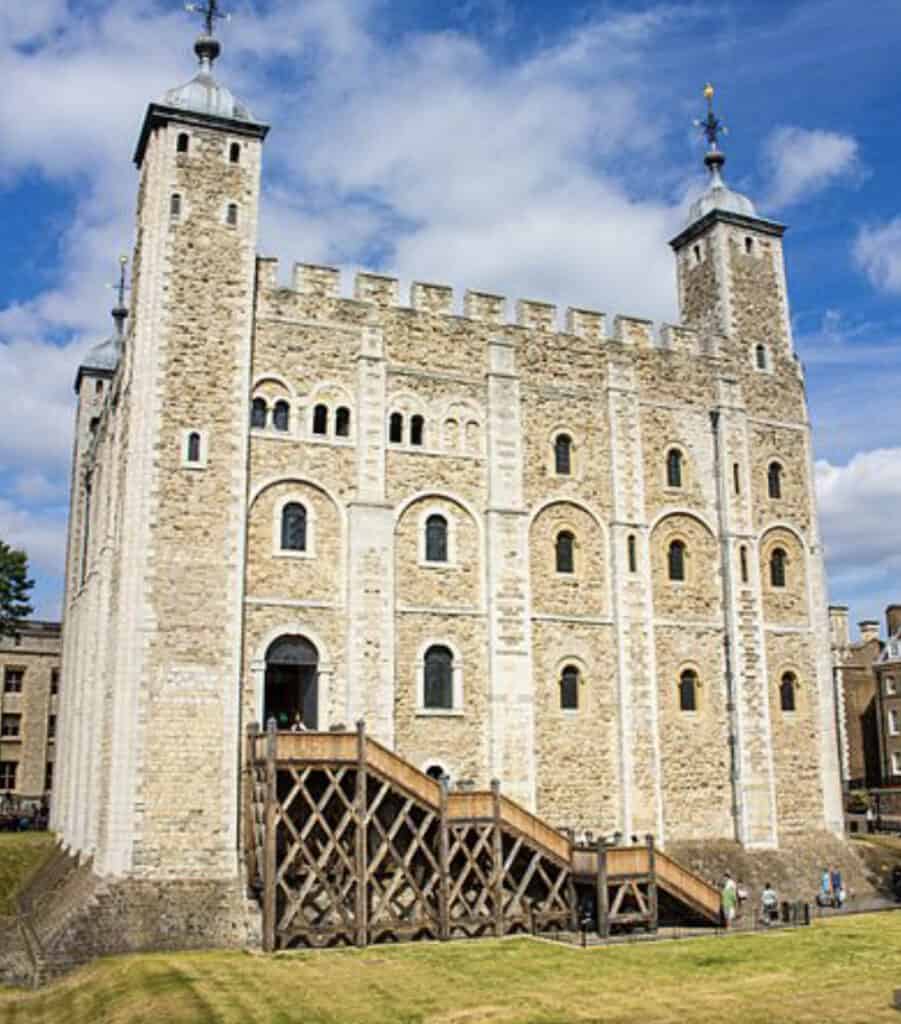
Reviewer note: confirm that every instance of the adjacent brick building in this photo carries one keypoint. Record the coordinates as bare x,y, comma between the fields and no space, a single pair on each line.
30,682
580,557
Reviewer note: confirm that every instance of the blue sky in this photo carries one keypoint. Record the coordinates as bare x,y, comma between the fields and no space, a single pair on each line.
541,150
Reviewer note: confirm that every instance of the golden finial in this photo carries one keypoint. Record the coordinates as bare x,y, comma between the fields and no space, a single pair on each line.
708,92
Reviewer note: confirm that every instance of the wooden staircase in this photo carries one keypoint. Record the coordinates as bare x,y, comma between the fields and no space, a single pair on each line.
346,842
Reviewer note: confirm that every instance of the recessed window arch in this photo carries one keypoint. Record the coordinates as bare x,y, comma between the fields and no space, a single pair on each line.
688,690
438,683
231,215
281,416
778,562
564,552
436,544
294,527
234,153
674,467
563,449
342,421
760,357
676,560
774,480
417,430
396,428
569,688
787,692
320,420
182,143
258,410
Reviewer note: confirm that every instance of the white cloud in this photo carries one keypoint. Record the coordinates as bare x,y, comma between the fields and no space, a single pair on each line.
861,528
803,162
877,251
41,535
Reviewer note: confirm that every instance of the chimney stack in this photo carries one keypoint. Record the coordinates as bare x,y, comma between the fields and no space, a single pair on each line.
838,626
869,630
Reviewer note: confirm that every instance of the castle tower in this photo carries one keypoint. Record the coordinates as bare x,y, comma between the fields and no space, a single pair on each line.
166,742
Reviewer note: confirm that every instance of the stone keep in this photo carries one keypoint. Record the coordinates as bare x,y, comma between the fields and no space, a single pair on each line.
232,399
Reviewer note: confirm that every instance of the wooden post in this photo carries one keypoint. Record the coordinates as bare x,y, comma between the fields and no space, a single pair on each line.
361,904
571,888
270,866
652,885
444,867
498,875
602,897
251,867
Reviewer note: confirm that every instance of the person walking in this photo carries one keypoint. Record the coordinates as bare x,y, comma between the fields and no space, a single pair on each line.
769,904
729,900
838,891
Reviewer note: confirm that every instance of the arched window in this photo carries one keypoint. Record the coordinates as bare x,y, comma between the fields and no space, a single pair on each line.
569,688
98,388
436,772
342,422
439,678
674,468
743,558
563,444
760,357
417,425
294,527
774,480
676,560
436,539
258,413
320,420
564,550
688,691
231,215
633,556
749,244
281,416
234,153
175,205
396,428
787,692
182,143
777,568
193,446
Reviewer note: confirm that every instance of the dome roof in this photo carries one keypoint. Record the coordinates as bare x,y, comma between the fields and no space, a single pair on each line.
203,94
103,357
719,197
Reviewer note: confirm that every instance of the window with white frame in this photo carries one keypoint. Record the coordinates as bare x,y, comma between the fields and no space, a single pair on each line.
896,764
193,449
890,686
893,722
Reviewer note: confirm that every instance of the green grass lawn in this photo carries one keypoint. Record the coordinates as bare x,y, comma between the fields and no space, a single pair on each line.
21,854
844,969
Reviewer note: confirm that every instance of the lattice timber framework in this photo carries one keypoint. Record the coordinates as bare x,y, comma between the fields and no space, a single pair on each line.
348,843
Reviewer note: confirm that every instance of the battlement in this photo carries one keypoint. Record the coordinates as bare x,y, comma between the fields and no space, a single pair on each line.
382,291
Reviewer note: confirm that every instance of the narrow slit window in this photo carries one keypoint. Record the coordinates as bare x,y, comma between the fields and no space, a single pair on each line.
231,215
294,527
569,688
749,245
281,416
563,455
697,253
183,143
633,554
417,428
175,206
342,422
320,420
777,568
258,413
234,153
193,446
676,560
743,559
736,478
396,428
787,692
760,357
774,480
565,552
688,691
674,468
436,539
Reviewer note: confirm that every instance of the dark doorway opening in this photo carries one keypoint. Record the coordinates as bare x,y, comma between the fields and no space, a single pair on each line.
291,690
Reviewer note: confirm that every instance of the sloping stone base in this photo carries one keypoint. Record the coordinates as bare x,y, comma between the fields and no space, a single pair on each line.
794,870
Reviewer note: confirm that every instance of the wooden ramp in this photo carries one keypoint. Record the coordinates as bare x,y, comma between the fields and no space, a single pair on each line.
346,842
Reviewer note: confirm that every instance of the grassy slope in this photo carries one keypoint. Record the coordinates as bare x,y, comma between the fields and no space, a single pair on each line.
21,854
840,970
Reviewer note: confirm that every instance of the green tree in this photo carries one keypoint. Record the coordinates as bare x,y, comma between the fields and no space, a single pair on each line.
14,588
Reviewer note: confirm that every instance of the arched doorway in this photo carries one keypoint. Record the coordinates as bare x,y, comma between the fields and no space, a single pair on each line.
291,686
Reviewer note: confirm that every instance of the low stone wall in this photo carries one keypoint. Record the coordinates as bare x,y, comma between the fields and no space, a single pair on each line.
794,870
